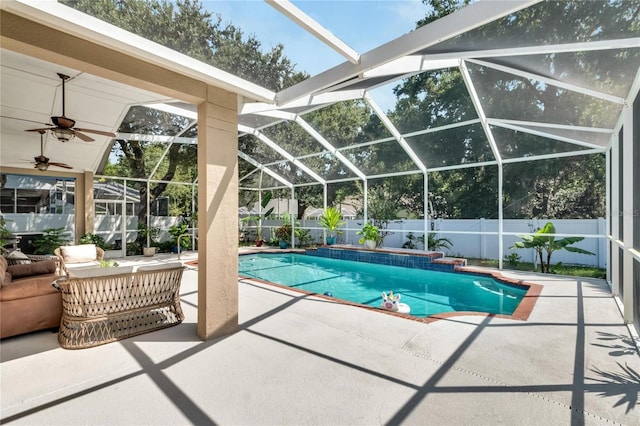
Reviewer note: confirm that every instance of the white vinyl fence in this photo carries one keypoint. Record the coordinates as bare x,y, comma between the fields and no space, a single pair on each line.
478,238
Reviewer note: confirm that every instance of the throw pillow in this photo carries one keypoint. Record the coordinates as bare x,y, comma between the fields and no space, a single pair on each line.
18,257
79,253
31,269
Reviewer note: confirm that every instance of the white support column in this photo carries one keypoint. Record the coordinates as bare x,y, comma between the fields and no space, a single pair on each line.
366,200
218,214
427,214
615,217
292,218
626,215
608,203
500,217
89,204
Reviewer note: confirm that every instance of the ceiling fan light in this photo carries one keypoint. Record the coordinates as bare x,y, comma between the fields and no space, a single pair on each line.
42,167
63,135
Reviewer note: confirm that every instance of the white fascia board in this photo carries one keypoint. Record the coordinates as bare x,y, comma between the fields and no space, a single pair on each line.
310,101
410,64
68,20
156,138
550,81
545,49
461,21
310,25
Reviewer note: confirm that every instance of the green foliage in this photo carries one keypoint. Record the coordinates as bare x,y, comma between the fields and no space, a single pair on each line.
436,243
93,239
331,220
283,233
411,242
49,241
544,242
512,259
4,233
153,232
176,231
303,237
108,264
369,232
266,198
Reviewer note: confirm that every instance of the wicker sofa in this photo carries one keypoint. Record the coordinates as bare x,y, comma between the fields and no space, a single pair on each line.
108,304
28,302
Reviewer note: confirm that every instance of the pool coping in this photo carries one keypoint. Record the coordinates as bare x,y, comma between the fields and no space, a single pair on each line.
521,313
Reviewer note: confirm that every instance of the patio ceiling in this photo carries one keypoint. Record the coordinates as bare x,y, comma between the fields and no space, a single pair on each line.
592,73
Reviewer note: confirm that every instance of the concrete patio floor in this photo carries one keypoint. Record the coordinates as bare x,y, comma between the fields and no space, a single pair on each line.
299,360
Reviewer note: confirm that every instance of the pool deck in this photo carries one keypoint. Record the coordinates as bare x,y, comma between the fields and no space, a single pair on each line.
297,359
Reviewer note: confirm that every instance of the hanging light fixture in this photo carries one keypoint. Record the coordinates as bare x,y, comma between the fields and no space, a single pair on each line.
63,135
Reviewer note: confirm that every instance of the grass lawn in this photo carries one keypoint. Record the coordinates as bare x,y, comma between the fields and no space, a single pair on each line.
573,270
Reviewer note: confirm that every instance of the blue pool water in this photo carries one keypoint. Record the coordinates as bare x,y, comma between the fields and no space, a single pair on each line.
426,292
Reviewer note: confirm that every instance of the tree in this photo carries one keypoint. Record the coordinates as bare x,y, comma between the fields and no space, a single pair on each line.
185,26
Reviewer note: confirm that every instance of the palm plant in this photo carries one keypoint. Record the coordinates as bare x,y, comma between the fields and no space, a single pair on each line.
331,220
544,242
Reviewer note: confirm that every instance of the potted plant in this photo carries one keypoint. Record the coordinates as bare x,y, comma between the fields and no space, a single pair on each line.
148,235
177,231
283,234
370,236
331,220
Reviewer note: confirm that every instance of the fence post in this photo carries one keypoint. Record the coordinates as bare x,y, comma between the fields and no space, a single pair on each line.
602,243
483,240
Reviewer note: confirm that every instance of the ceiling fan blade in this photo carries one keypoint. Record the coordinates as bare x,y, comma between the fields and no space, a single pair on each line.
63,165
44,129
82,136
97,132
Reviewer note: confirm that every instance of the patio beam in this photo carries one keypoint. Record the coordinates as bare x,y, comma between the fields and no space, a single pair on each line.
310,25
461,21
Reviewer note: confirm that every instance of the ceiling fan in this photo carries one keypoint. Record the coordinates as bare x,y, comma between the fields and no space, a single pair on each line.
42,163
63,126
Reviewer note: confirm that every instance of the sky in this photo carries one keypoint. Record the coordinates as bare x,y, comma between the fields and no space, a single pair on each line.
362,24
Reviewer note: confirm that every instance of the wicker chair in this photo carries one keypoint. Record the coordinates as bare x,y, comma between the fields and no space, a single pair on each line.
68,261
99,309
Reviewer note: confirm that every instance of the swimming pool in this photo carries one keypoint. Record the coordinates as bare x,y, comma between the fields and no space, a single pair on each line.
426,292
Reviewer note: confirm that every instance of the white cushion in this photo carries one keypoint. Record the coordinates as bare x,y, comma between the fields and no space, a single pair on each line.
159,266
83,265
99,272
79,253
19,257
